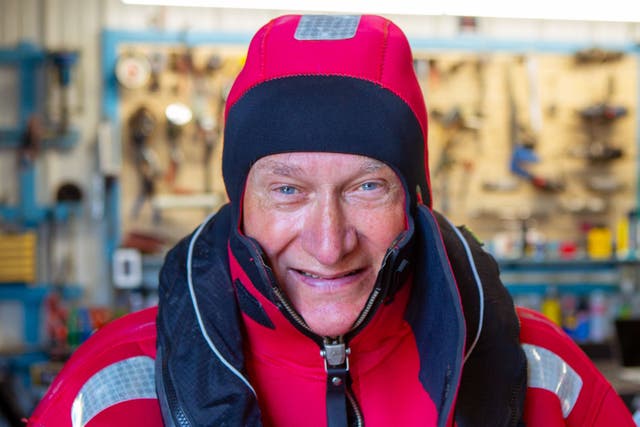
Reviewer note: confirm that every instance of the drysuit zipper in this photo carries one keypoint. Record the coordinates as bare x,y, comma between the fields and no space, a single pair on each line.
367,308
336,364
357,413
298,320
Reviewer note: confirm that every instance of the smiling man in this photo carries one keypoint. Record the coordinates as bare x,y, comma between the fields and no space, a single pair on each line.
328,292
325,222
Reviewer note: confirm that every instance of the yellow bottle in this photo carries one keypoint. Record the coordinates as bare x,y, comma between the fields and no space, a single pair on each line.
622,238
551,306
599,243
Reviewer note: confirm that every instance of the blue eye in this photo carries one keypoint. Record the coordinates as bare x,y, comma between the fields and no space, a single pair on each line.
370,186
286,189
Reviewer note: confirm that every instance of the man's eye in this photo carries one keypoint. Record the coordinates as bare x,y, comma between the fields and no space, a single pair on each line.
370,186
286,189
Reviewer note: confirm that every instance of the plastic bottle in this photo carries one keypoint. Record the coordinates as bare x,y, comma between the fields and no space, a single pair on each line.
84,325
73,334
598,320
622,238
634,236
581,332
551,306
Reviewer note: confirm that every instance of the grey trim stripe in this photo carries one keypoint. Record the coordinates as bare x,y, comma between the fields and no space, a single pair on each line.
476,277
550,372
194,301
129,379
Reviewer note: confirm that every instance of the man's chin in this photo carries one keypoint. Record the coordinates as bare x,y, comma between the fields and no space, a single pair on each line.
331,313
330,325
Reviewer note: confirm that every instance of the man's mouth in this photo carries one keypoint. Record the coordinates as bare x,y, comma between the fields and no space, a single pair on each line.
329,277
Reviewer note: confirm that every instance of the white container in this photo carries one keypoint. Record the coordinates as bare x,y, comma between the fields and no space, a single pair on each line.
11,325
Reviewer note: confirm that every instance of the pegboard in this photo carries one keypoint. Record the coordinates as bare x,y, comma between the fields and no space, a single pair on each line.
475,99
171,175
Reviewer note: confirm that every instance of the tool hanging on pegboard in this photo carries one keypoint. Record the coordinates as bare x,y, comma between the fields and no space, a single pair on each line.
142,124
208,123
455,125
599,152
523,138
177,116
63,62
598,120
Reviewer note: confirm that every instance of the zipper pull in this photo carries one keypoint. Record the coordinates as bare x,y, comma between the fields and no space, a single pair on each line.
336,363
335,353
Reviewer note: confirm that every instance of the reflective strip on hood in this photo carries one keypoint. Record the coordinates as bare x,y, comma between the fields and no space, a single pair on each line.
550,372
129,379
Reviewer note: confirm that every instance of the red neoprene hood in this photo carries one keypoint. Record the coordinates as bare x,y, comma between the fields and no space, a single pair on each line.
330,83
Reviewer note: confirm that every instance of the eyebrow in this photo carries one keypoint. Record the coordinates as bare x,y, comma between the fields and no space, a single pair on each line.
371,165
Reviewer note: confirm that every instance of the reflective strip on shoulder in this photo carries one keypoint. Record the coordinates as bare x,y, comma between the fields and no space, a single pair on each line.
129,379
550,372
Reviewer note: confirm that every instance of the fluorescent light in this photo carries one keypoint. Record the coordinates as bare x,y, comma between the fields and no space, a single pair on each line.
611,10
337,6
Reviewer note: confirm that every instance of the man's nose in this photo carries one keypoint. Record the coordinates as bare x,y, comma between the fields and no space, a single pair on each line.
328,233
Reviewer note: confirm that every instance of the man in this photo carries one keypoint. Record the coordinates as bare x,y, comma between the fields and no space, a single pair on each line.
327,292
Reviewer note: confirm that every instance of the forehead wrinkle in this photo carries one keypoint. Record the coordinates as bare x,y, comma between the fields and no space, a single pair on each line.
288,169
277,167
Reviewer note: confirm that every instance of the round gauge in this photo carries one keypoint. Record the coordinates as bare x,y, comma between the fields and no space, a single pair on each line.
133,70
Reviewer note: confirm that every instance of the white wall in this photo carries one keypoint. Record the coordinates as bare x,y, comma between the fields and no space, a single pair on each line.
76,24
57,23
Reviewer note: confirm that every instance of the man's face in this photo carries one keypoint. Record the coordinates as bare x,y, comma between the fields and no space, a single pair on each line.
325,222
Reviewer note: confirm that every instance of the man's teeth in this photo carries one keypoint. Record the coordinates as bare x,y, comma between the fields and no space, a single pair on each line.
313,276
